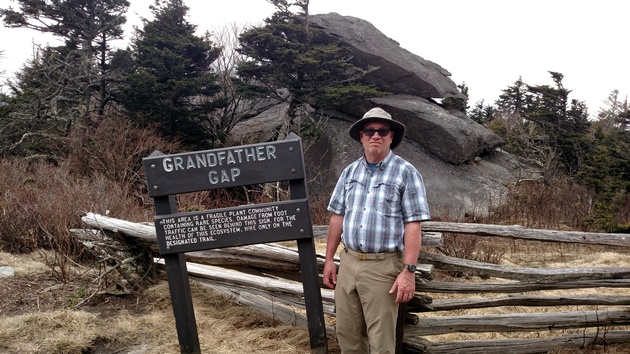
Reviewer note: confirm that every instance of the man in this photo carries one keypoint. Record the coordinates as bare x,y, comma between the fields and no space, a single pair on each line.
377,206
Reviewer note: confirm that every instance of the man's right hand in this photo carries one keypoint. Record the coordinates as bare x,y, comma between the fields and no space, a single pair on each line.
330,274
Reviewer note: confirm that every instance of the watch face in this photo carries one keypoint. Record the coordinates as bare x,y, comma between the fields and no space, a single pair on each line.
411,267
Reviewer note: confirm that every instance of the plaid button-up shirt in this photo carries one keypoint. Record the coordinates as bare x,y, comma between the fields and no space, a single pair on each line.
376,204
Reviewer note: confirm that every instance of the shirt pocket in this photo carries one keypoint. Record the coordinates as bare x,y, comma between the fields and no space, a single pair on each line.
354,191
389,200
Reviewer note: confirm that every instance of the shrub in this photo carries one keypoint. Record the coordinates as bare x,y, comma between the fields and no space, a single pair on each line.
114,147
470,247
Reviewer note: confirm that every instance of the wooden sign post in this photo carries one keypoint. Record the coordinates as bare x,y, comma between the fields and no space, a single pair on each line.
177,233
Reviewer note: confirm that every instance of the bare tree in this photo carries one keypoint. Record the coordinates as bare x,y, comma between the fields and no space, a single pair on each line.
237,106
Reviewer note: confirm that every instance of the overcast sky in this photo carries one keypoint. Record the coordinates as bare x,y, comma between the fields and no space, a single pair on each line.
486,44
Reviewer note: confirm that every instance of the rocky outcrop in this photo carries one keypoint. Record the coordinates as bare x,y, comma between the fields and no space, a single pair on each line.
453,191
464,169
398,70
454,139
264,126
415,82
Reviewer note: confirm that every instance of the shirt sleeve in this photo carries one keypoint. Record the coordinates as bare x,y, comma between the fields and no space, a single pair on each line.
414,202
337,202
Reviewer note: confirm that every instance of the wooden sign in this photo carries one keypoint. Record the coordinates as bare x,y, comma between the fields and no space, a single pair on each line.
177,233
222,168
216,228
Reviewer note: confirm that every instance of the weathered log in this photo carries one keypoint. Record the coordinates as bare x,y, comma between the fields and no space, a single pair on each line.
520,232
419,303
265,305
230,260
476,303
416,345
230,276
429,239
278,290
412,318
138,230
280,260
529,274
517,287
272,258
521,322
520,346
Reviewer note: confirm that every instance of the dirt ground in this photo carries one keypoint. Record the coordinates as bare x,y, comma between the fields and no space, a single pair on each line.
40,314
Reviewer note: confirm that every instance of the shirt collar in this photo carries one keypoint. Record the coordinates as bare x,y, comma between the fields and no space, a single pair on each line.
382,163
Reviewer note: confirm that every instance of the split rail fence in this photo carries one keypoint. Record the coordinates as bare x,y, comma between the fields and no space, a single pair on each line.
266,277
518,289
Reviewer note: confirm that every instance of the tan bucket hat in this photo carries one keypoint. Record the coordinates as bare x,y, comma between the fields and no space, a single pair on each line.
378,114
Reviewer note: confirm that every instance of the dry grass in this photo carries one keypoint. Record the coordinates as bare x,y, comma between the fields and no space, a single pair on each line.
36,317
544,255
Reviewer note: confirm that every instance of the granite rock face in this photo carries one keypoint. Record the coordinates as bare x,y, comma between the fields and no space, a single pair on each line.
452,138
398,70
465,171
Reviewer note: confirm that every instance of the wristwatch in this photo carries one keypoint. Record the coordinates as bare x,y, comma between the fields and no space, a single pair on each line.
410,267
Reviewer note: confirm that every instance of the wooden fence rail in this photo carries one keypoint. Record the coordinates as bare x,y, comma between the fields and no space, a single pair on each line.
522,280
523,233
262,291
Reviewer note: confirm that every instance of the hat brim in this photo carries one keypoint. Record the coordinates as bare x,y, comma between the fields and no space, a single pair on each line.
397,127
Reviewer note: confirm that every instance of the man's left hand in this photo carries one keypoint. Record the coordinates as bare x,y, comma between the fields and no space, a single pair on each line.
404,287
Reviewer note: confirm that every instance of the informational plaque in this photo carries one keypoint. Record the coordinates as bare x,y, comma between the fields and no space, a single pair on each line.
216,228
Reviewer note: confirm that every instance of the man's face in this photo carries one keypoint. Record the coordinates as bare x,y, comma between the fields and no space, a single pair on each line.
376,146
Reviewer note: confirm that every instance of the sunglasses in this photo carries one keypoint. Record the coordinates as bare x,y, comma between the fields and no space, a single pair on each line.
382,132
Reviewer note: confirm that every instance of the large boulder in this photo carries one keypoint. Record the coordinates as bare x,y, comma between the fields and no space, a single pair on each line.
414,81
453,190
262,127
464,170
470,188
451,138
398,70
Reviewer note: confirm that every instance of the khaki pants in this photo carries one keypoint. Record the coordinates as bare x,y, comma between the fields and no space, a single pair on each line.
366,312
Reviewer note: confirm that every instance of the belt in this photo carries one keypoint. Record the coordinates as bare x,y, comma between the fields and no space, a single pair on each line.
371,256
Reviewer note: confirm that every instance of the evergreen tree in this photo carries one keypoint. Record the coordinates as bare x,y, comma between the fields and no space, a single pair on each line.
514,98
457,104
566,126
614,115
37,116
2,71
287,53
481,113
606,170
82,77
172,84
522,136
541,124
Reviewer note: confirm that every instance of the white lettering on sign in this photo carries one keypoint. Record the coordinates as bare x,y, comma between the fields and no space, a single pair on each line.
221,158
203,228
223,176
